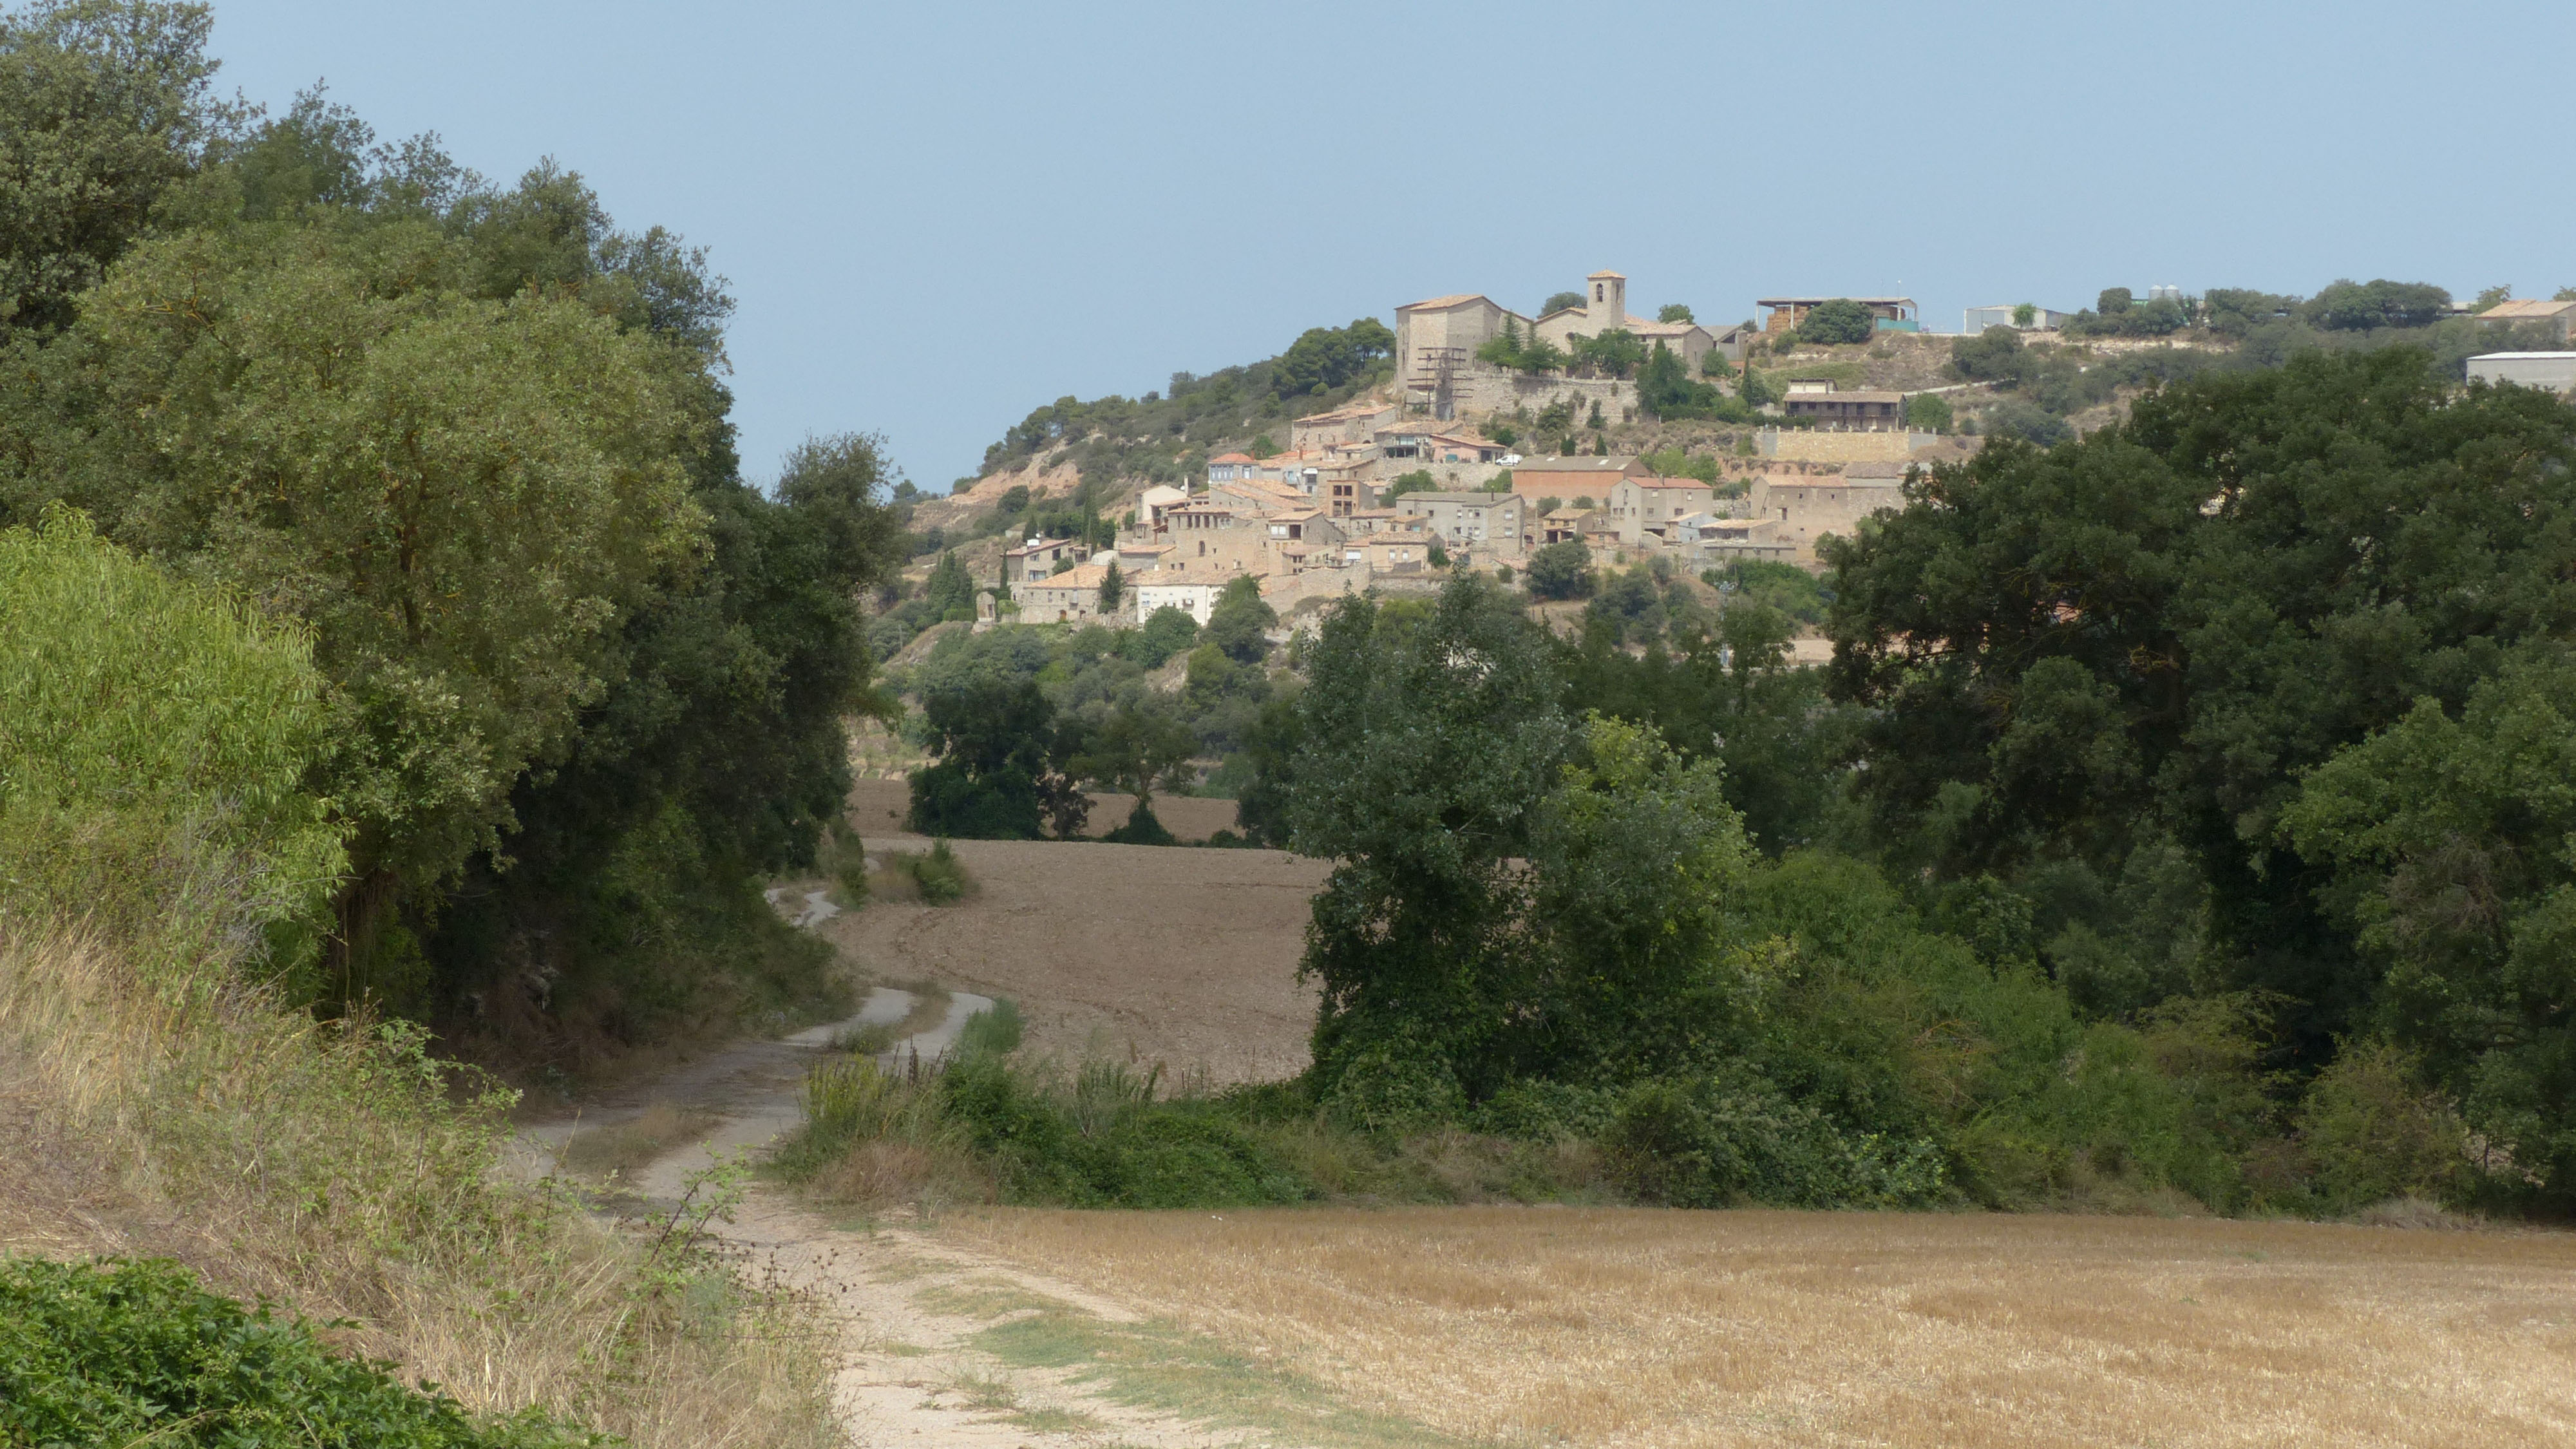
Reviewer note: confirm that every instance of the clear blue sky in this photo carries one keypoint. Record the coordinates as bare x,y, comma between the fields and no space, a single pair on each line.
937,216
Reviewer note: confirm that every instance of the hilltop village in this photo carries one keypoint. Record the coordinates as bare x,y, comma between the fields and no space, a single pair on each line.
1463,456
1473,436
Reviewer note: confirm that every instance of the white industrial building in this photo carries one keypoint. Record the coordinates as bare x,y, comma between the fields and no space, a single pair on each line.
2555,371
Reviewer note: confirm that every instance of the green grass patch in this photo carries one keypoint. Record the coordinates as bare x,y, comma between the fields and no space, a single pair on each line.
983,1300
1169,1370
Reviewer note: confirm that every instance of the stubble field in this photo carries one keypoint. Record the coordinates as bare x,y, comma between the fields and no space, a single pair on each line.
1610,1326
1625,1326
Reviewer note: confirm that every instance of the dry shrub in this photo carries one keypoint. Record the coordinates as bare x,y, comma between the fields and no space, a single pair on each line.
886,1174
325,1168
2418,1213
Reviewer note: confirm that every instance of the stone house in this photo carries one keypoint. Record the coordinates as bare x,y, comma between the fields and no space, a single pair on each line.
1570,524
1192,594
1805,508
1404,552
2559,316
1038,557
1067,598
1353,424
1835,410
1644,507
1487,524
1723,539
1344,496
1139,557
1571,476
1304,525
1255,494
1436,341
1153,502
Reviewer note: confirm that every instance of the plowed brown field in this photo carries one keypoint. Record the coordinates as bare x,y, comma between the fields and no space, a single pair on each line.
1183,956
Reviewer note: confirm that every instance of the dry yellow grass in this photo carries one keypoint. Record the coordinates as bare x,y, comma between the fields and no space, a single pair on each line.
1641,1327
191,1119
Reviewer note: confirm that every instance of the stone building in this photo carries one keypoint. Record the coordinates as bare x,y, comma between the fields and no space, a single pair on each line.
1606,309
1356,423
1486,524
1644,507
1805,508
1436,341
1849,412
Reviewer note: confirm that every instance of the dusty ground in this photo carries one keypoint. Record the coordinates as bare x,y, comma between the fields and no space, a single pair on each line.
1616,1326
1188,957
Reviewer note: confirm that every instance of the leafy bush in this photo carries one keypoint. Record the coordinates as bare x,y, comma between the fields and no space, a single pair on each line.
2372,1131
1165,632
147,724
1561,571
118,1352
935,878
1691,1143
1841,320
1141,827
2015,418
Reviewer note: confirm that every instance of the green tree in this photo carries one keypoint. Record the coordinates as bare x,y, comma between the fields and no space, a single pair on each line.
2026,315
1841,320
1994,355
1559,301
2447,836
1615,353
2113,301
181,814
1674,312
1239,622
1428,737
106,112
1324,358
317,154
2164,625
2492,297
1417,481
1561,571
1139,749
1166,632
713,760
2349,306
461,496
949,589
1113,589
1929,412
1635,855
1003,770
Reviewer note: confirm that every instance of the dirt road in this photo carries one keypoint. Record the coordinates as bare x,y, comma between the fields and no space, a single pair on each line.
941,1347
